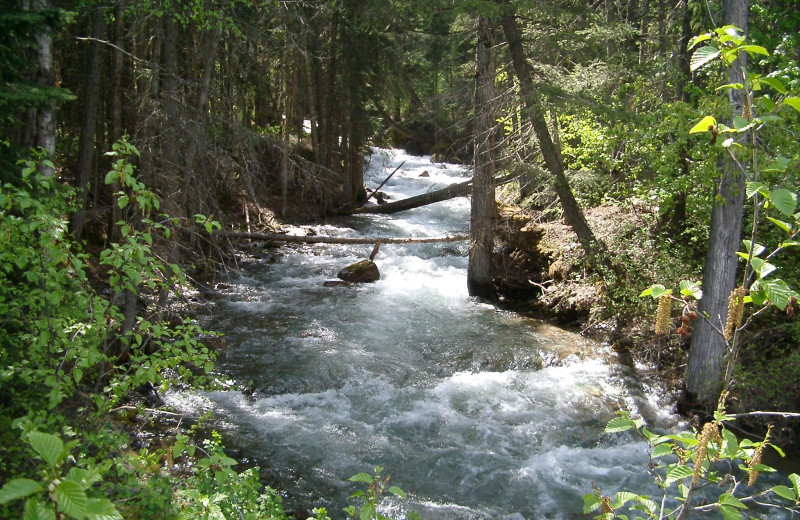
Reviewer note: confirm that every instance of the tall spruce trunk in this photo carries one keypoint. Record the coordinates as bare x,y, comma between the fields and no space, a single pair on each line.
705,369
483,209
86,146
534,110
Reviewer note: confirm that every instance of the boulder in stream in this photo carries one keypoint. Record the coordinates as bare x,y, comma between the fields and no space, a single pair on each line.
363,271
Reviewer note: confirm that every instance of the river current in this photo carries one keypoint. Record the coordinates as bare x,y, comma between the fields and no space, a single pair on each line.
476,413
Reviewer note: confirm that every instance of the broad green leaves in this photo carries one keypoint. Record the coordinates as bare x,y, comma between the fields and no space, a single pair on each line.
703,56
18,488
706,124
49,447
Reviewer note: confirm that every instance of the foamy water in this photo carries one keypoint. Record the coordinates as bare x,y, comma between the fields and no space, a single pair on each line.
476,413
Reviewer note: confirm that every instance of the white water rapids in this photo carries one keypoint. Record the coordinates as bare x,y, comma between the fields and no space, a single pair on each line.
476,413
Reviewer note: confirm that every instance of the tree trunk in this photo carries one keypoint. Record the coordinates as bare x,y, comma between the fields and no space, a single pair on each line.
705,370
534,110
483,208
461,189
86,146
45,116
200,115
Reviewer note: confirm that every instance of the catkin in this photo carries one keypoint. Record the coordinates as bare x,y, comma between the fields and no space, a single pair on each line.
662,316
709,433
735,312
756,460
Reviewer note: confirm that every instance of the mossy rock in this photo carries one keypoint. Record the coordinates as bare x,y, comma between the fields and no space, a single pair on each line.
363,271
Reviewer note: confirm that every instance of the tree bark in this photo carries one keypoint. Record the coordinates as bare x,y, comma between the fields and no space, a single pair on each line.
705,369
534,110
45,116
86,146
483,210
450,192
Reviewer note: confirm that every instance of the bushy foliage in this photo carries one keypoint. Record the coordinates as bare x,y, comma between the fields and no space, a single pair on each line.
70,353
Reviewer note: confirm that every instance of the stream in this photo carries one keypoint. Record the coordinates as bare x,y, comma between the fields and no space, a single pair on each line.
475,412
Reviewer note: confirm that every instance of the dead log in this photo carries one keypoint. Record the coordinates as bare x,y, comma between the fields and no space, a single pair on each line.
461,189
277,237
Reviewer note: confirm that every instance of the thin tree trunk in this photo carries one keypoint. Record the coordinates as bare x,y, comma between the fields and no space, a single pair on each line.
117,67
86,146
483,210
705,369
45,117
534,110
201,111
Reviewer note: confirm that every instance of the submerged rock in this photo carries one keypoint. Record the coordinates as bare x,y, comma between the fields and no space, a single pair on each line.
335,283
363,271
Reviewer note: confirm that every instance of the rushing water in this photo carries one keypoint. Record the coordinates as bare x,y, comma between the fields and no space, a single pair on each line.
476,413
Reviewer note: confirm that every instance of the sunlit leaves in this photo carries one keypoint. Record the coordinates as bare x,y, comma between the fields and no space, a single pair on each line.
705,125
49,447
784,201
656,291
793,102
702,56
691,288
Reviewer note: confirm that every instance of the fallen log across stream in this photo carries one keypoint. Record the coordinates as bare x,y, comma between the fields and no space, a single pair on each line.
313,239
450,192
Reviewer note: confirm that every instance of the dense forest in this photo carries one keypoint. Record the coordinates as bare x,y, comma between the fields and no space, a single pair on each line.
634,162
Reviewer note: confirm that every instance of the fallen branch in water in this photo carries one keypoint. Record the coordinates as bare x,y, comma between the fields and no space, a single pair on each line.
277,237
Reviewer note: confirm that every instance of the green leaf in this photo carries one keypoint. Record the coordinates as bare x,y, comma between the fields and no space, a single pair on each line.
661,450
361,477
785,492
735,86
730,500
690,288
101,509
781,224
698,39
619,424
784,200
775,83
705,125
591,502
367,511
71,499
49,447
731,443
35,510
795,478
397,491
123,201
730,513
18,488
740,123
762,267
702,56
623,497
758,249
790,243
678,473
754,49
779,293
793,102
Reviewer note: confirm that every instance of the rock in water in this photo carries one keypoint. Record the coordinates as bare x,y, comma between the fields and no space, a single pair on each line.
360,272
